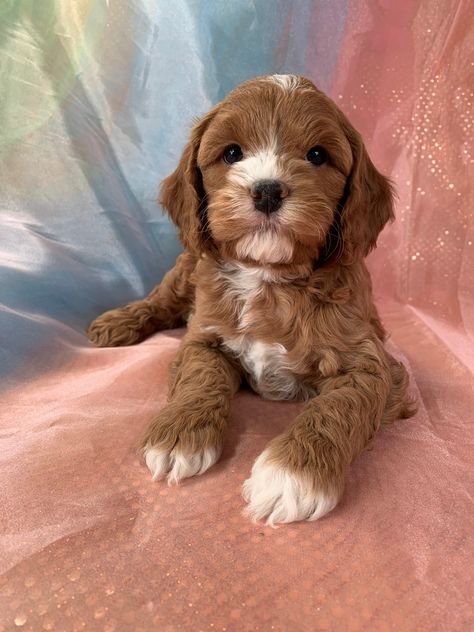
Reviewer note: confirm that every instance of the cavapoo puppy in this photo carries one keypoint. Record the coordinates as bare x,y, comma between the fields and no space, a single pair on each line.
277,204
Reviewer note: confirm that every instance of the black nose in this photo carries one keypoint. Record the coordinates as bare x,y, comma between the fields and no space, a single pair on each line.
268,195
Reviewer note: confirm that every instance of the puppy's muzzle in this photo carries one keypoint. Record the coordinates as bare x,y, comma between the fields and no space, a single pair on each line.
268,195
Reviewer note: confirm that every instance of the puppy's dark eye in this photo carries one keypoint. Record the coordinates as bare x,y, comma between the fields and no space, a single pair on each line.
317,155
232,154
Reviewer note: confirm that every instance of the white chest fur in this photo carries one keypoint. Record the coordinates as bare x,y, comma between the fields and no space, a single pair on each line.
267,365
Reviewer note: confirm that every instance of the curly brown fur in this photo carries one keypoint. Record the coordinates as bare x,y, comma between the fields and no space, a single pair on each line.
187,436
281,299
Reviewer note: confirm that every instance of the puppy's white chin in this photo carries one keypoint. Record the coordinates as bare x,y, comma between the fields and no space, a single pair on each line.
277,495
265,246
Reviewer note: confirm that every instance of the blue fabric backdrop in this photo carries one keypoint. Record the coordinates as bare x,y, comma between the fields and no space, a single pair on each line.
97,101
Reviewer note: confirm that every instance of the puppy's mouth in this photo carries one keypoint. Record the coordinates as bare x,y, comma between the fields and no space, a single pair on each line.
273,228
264,221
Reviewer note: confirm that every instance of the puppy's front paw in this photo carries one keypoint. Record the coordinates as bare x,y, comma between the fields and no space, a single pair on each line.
181,443
120,327
176,465
276,494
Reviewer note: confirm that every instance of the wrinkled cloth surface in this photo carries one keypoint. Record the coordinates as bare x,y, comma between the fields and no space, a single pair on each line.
97,98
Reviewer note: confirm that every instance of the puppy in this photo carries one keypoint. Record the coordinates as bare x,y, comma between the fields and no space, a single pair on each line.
277,204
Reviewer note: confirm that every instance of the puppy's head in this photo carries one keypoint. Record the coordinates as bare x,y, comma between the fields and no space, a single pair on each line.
276,175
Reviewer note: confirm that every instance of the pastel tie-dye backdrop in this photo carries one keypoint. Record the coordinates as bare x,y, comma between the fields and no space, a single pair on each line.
96,100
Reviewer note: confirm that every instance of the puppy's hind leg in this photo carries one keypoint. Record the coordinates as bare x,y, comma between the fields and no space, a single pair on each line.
400,404
167,306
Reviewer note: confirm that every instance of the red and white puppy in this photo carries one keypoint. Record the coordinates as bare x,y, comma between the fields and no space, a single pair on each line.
277,204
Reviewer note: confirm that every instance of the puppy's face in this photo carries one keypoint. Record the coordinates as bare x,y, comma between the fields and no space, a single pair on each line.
274,162
267,174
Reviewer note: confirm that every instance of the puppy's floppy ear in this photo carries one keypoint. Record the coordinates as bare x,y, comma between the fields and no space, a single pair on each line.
368,200
183,197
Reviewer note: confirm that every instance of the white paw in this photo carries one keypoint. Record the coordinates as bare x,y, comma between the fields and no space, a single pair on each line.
279,496
175,466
